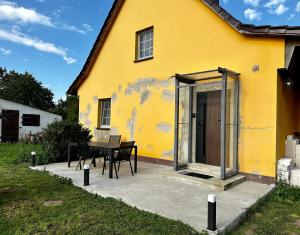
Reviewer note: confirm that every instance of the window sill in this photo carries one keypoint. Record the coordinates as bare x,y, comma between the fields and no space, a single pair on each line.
103,128
145,59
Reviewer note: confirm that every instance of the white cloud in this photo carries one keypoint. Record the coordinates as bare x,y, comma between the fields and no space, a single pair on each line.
276,7
20,38
4,51
274,3
298,7
254,3
87,27
252,14
291,17
73,28
281,9
10,11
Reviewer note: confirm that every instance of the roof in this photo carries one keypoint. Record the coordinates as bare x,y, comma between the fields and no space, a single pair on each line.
245,29
3,105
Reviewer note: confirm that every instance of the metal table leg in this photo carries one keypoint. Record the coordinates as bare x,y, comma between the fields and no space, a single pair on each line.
135,159
111,164
69,157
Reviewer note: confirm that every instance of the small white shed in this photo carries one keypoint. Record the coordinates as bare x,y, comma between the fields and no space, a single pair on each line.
18,120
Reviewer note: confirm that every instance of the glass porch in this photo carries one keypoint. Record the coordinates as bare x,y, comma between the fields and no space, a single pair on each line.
206,120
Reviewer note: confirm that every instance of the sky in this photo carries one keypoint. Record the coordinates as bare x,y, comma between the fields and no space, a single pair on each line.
52,38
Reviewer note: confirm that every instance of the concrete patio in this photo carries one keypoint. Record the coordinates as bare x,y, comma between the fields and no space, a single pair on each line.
152,189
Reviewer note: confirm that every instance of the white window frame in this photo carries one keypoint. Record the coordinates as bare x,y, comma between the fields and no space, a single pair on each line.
145,44
105,113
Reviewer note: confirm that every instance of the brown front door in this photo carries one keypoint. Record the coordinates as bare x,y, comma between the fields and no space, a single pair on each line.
208,132
10,126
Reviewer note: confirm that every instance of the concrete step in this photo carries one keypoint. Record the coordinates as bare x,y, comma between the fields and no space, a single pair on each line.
214,171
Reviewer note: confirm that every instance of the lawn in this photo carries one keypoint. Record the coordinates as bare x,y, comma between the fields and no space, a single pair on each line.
34,202
279,213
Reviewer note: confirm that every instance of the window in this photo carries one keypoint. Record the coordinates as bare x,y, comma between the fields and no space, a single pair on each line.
104,119
31,120
144,44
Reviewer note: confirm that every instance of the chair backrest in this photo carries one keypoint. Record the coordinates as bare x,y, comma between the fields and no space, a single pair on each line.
84,149
114,139
125,154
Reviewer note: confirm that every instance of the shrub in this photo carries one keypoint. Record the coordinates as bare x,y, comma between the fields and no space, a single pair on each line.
56,136
31,138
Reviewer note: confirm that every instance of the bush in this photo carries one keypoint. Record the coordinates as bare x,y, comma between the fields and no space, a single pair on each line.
31,138
56,136
284,192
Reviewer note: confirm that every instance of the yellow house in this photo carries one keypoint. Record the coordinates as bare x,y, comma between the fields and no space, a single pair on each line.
192,85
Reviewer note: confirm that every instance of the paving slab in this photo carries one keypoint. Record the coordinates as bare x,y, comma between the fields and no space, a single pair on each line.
151,190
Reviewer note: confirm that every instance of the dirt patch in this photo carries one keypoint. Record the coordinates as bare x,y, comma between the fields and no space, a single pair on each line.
251,230
52,203
297,223
258,215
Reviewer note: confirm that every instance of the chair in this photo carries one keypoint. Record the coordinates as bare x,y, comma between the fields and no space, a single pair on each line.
113,139
123,155
84,152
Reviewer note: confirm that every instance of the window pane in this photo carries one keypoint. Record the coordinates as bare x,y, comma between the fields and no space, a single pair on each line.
105,112
145,44
142,46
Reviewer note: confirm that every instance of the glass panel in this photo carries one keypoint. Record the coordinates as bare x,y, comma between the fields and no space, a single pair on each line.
231,126
183,126
203,75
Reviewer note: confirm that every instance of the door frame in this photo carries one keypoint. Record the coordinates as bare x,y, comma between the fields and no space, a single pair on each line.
17,114
191,81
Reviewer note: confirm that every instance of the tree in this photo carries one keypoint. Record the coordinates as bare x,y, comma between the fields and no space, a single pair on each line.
68,109
25,89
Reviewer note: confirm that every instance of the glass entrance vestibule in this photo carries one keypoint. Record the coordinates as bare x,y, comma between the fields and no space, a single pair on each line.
207,120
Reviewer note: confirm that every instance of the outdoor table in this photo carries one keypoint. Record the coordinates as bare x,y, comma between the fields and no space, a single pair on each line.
109,148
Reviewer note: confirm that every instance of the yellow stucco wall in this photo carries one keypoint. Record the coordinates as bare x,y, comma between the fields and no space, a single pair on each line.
188,37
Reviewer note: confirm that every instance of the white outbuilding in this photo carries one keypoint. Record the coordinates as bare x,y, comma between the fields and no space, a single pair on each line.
18,120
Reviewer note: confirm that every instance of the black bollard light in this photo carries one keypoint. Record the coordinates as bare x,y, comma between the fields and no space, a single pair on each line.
33,159
212,212
86,170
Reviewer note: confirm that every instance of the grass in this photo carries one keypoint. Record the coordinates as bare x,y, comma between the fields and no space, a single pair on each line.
34,202
279,213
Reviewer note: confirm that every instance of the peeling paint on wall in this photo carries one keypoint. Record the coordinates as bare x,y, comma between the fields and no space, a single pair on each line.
145,95
95,99
168,95
101,135
149,147
168,153
146,83
114,131
131,124
164,127
84,116
114,97
87,123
